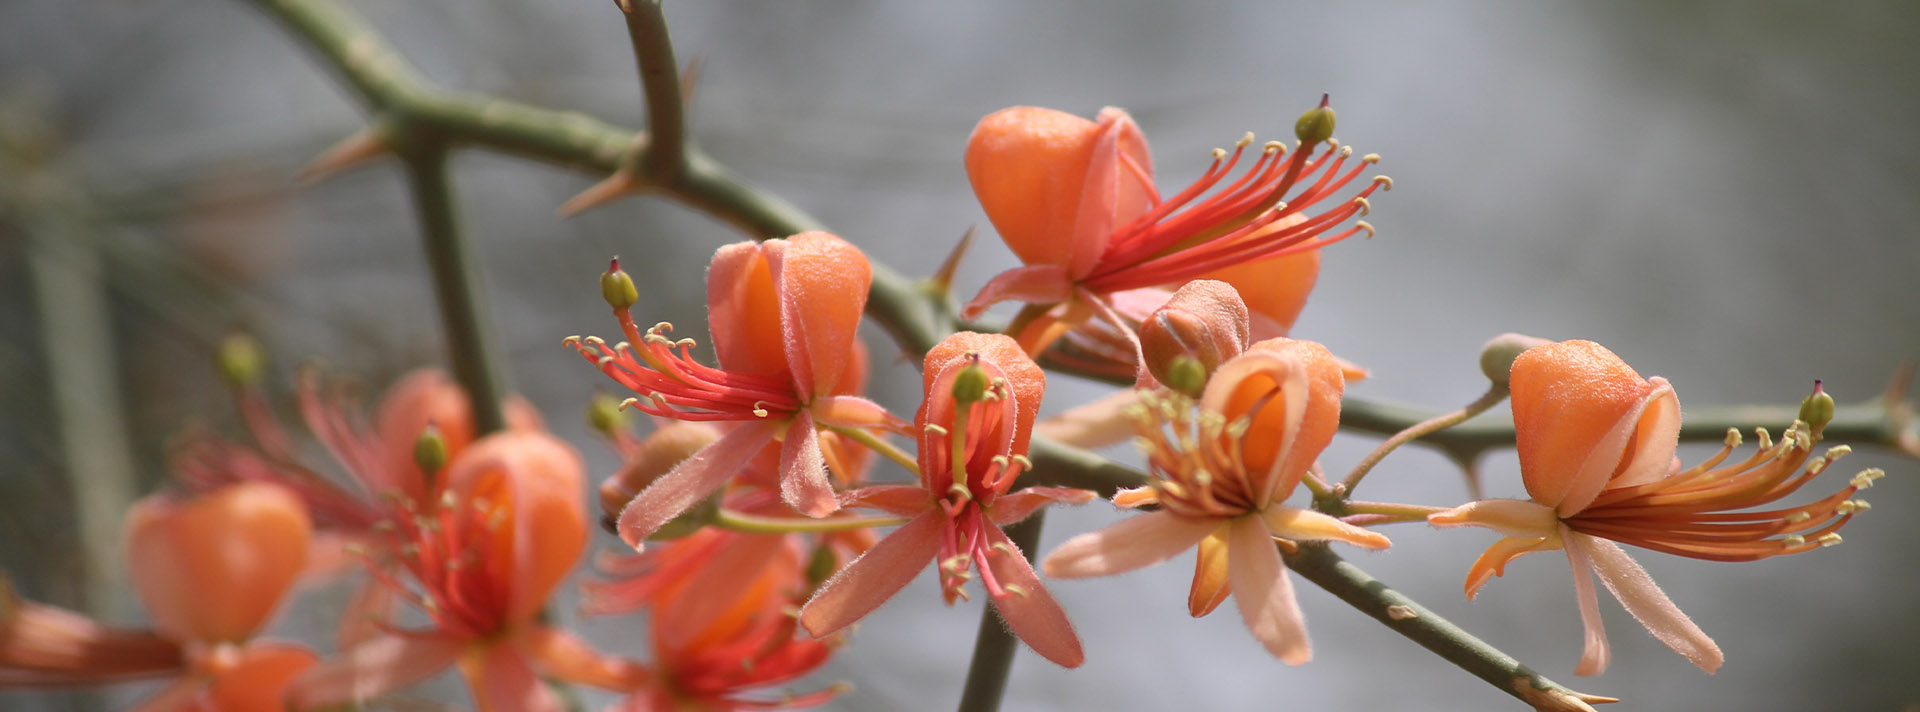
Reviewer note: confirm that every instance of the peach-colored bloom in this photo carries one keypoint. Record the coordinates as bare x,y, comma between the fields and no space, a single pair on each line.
211,571
982,392
1219,478
483,558
783,314
1596,444
1075,200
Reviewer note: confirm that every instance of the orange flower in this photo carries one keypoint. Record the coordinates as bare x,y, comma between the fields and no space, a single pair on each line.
485,557
1219,478
982,392
1075,200
1596,444
784,315
211,571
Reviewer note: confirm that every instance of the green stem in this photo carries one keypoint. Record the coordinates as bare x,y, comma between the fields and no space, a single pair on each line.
994,646
455,281
1403,615
874,443
756,524
1493,396
660,85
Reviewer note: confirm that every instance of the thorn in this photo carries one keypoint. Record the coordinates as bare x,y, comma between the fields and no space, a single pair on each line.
355,151
690,78
619,185
942,281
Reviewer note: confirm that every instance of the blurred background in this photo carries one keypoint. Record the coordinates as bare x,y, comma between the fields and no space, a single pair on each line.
1724,193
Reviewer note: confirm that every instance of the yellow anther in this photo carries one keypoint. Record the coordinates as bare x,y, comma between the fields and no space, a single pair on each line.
1793,541
1004,548
1023,462
629,403
1852,506
572,342
1366,207
959,490
1015,589
1346,151
1866,477
935,429
604,362
1829,539
1364,225
1246,140
1798,517
1219,154
1370,158
1274,148
1733,437
1385,182
759,409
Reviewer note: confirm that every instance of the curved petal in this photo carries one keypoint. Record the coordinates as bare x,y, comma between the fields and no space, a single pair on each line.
856,412
214,568
1015,506
1291,390
900,500
1594,651
1493,562
1275,290
1264,593
743,311
1028,608
1511,517
503,681
535,479
1133,543
803,470
1093,425
563,656
372,668
1209,574
1308,525
1033,284
873,578
259,679
1118,187
692,480
1049,179
1575,407
822,284
1649,605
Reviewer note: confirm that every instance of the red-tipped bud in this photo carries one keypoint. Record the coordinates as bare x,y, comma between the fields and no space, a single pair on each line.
1316,125
1203,325
617,288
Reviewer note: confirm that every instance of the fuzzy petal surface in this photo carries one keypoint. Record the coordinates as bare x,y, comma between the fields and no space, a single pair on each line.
1264,593
875,577
1035,617
1132,543
1649,605
692,480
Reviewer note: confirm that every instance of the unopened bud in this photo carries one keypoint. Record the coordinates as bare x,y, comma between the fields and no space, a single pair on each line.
1201,327
1316,125
617,288
970,384
1496,358
657,455
430,450
239,360
1817,410
605,416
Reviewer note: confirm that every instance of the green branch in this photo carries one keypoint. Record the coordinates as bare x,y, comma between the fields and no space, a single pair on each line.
455,282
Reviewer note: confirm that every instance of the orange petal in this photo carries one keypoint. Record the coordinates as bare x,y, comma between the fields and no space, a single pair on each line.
538,478
803,470
1308,525
1056,185
1209,575
1594,651
1024,378
1493,562
373,668
259,681
875,577
1572,403
1034,284
1264,593
822,284
1297,387
424,396
1028,608
212,569
1012,507
1275,290
1097,424
502,680
743,311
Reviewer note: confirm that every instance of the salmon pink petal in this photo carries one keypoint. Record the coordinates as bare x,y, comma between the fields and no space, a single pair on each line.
367,611
1572,406
1649,605
1135,542
1493,562
1118,188
375,667
901,500
743,311
1209,574
424,396
856,412
803,470
181,695
537,478
1639,450
1308,525
1594,652
692,480
1028,167
1034,284
1275,290
1027,607
714,589
1016,506
503,681
873,578
564,656
1264,593
822,284
1024,378
1093,425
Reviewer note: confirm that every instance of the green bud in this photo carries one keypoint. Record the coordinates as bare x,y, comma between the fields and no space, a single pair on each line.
239,359
617,288
1496,358
970,385
430,451
1186,375
821,566
1316,125
1817,410
604,415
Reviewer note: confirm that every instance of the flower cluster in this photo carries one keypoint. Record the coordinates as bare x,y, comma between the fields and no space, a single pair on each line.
748,517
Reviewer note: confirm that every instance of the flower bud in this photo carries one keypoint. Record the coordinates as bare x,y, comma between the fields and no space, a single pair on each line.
239,360
970,385
1203,325
657,455
430,450
1817,410
617,288
605,416
1316,125
1496,358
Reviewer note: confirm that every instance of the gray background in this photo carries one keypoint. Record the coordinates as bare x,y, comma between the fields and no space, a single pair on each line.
1721,192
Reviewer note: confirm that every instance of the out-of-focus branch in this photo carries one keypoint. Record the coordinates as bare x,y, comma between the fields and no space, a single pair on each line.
995,646
660,84
456,283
